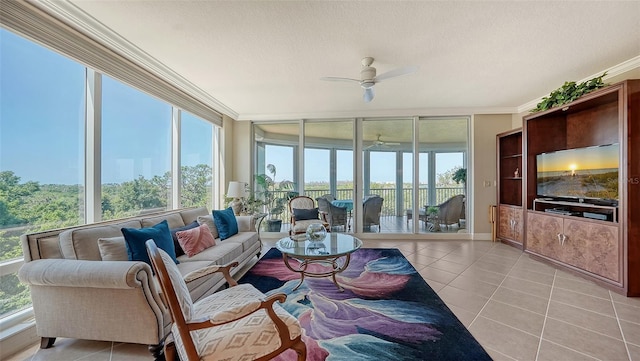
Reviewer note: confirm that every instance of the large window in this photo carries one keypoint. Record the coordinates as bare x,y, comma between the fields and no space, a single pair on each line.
196,162
41,152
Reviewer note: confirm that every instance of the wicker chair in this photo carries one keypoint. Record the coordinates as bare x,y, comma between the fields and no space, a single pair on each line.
334,215
208,329
372,207
450,211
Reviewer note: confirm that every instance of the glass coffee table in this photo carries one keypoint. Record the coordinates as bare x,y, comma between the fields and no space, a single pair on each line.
333,253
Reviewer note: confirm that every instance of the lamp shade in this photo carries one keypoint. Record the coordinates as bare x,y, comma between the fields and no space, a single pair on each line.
236,190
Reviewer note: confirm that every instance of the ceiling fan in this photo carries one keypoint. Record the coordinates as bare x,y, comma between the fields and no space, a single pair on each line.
380,143
368,78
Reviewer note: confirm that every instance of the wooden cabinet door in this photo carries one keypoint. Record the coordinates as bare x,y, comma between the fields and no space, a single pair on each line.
593,247
504,226
542,235
518,225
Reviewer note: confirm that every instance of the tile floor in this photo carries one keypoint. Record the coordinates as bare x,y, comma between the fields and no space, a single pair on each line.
516,307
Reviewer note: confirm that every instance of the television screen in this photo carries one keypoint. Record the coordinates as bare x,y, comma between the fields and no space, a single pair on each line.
590,173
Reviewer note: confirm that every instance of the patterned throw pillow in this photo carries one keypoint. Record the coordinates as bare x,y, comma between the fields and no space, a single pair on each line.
226,223
196,240
176,244
136,238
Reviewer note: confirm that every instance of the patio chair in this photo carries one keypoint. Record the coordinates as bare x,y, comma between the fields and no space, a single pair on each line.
303,212
372,207
211,328
332,214
450,211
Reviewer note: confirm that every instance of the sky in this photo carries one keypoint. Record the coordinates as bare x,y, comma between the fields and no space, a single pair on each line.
601,157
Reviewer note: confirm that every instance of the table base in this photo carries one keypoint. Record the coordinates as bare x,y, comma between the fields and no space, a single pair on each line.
331,262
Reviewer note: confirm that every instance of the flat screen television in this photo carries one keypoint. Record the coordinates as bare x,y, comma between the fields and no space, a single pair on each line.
587,174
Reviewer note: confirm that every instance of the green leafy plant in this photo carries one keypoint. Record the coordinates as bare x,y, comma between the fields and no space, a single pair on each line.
569,92
460,175
274,195
432,210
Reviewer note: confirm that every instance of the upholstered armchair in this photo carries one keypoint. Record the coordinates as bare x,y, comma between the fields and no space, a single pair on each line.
334,215
231,324
372,207
303,212
450,211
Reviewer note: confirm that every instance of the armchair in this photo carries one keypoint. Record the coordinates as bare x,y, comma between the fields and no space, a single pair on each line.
231,324
450,211
303,212
334,215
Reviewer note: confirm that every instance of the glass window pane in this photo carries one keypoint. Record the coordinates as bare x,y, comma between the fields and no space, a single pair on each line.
136,151
41,150
196,161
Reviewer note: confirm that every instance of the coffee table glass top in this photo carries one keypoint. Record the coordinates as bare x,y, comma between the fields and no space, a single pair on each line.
333,245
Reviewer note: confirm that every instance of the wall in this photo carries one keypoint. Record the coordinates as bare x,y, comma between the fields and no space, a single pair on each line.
484,129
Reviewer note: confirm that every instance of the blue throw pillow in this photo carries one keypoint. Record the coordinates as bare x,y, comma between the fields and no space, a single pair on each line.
303,214
135,239
226,223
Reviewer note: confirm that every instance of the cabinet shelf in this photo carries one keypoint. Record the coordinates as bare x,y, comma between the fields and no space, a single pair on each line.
513,178
512,156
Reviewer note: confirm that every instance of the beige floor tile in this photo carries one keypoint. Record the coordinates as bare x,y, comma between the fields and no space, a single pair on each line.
499,260
498,356
587,288
634,352
466,317
489,266
130,352
437,275
515,317
474,285
631,332
419,261
434,253
448,266
532,288
631,301
526,263
483,275
460,259
571,276
591,343
504,339
627,313
581,300
580,317
550,351
521,299
66,349
463,299
524,274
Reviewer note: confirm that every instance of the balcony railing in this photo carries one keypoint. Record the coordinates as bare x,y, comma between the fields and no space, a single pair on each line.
389,207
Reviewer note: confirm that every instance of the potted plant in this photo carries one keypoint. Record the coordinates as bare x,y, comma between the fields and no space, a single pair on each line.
274,196
460,175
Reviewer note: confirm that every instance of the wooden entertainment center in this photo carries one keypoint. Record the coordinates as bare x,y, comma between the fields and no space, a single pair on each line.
600,240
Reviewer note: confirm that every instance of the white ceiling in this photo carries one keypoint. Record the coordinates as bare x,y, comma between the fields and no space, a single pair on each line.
264,59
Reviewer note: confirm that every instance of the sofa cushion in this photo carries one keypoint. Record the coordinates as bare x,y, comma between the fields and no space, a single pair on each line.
113,249
222,254
195,240
136,238
226,223
189,215
208,220
246,239
174,220
176,244
82,242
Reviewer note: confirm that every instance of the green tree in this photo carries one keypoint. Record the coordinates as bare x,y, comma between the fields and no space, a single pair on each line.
196,185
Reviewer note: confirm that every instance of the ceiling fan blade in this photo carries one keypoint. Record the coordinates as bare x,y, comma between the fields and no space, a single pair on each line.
396,72
368,94
335,78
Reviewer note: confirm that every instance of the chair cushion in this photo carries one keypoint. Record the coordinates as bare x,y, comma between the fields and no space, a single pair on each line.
174,237
301,226
136,238
179,286
226,223
305,214
195,240
248,338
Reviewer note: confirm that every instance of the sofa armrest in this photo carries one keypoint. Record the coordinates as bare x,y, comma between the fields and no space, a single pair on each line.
77,273
225,270
246,223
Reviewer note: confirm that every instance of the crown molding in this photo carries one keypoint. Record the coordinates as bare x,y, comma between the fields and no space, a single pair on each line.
612,72
378,113
73,16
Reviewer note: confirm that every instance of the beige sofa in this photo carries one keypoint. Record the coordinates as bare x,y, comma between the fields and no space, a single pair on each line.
76,294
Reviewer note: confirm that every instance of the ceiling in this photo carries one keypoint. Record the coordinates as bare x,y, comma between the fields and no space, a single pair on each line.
264,59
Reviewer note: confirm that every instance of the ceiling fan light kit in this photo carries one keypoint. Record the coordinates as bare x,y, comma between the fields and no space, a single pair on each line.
368,78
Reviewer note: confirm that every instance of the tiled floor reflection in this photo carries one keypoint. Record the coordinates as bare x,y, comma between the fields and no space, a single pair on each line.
516,307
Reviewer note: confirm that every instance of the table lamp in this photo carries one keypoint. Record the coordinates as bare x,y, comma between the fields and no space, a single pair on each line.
236,191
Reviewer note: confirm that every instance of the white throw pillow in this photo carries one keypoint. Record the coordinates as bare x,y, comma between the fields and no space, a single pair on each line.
113,249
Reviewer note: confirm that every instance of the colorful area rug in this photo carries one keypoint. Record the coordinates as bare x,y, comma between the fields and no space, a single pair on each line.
386,312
